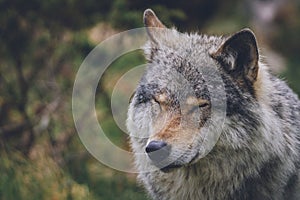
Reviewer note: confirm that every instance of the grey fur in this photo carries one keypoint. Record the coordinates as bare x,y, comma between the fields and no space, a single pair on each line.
258,153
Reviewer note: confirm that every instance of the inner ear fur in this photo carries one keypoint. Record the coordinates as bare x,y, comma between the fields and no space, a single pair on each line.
239,55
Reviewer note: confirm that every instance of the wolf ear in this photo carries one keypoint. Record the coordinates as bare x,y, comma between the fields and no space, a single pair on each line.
239,55
152,24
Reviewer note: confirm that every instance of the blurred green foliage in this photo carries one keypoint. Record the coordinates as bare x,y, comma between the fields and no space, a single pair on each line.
43,43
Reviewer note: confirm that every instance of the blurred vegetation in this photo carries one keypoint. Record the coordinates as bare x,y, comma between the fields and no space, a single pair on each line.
43,43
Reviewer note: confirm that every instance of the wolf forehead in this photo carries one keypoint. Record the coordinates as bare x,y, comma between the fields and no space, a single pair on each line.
181,48
177,72
187,61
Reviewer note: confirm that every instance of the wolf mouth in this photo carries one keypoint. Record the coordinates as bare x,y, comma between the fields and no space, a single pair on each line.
194,158
174,165
170,167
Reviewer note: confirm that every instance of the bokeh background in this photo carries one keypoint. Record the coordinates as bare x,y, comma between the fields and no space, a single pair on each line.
43,43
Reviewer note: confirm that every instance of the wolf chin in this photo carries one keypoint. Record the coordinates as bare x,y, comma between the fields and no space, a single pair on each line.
171,118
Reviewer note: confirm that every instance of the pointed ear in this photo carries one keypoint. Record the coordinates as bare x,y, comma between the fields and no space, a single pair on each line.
239,55
152,24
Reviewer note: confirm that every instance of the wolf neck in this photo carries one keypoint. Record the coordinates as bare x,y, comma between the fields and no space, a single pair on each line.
271,125
213,177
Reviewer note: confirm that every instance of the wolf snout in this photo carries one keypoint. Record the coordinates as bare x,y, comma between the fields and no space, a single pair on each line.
158,150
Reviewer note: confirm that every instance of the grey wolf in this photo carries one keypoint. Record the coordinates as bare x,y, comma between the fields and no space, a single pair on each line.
256,156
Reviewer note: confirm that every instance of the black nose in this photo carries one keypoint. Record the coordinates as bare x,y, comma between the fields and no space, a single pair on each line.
155,146
158,151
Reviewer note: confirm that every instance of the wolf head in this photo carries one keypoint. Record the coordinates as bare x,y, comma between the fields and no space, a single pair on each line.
171,113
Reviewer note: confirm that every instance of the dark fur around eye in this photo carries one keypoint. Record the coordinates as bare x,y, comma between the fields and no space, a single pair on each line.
145,93
142,98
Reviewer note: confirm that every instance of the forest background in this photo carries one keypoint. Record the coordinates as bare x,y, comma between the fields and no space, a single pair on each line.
42,45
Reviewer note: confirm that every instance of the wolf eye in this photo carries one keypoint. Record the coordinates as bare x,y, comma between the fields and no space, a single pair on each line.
161,98
155,101
196,103
199,106
203,104
193,101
